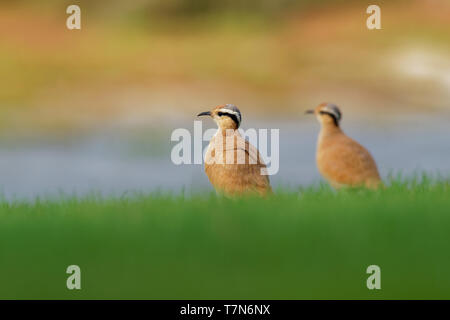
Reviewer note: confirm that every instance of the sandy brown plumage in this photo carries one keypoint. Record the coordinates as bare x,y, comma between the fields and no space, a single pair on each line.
234,166
341,160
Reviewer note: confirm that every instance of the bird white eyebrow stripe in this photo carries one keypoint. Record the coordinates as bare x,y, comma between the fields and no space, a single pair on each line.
331,111
231,112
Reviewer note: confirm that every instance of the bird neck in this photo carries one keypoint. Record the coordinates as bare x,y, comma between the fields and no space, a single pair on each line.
227,131
329,129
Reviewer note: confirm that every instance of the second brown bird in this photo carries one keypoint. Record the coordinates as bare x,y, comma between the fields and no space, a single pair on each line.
341,160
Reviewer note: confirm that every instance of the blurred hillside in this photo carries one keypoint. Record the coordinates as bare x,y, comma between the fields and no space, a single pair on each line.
150,62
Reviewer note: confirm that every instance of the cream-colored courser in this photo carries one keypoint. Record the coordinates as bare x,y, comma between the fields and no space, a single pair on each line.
341,160
234,166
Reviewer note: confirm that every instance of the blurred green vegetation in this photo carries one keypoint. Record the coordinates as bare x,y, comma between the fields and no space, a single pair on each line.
180,8
315,244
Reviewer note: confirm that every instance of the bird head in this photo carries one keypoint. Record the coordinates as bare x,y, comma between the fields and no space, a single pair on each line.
227,116
327,113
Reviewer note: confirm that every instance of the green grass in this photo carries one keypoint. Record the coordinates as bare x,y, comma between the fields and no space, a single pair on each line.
311,244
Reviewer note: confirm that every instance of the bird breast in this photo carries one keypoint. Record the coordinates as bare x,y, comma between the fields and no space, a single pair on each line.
344,162
234,166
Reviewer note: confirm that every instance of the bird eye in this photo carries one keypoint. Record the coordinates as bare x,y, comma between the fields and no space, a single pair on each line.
220,114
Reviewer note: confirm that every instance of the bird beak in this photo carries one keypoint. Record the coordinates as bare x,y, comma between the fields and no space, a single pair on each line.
206,113
309,112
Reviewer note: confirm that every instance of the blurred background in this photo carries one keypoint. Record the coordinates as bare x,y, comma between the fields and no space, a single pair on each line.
93,109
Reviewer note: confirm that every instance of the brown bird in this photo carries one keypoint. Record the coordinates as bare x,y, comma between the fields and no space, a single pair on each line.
341,160
234,166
